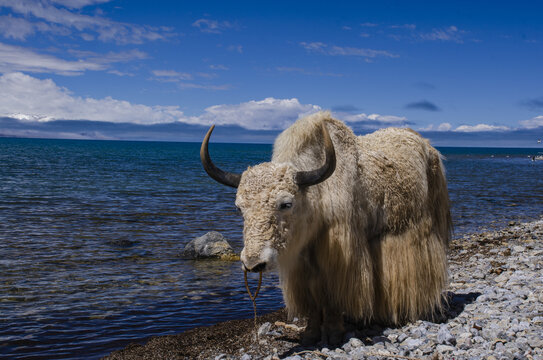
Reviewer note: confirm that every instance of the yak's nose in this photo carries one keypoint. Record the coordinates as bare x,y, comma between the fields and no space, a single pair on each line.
257,268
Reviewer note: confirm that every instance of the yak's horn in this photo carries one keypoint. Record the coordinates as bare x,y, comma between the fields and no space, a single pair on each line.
312,177
217,174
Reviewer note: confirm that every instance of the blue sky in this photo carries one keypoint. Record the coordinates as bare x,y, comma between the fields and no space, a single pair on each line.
446,69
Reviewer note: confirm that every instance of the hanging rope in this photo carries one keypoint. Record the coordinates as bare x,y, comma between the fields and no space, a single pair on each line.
253,297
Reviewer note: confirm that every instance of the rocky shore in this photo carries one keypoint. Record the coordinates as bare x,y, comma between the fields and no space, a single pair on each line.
495,311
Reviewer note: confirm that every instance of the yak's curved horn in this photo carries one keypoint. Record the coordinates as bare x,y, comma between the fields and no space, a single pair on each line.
214,172
312,177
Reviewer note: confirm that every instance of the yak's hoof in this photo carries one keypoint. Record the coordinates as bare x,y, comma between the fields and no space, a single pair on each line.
334,338
311,336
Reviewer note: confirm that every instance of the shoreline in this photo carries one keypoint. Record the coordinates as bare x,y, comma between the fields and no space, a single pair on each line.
495,310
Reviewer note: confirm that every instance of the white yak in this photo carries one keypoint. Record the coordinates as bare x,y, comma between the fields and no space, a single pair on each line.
358,227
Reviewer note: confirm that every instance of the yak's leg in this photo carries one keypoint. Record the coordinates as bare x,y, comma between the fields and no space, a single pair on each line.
333,326
324,324
312,333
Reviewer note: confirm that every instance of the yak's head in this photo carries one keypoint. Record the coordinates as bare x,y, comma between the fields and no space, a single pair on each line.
271,199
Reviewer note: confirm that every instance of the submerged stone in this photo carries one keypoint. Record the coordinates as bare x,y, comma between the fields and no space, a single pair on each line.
209,246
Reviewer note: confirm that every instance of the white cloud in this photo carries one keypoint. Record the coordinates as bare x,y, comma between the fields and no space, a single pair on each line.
532,123
450,33
172,75
187,85
387,120
313,46
32,99
22,95
63,20
404,26
368,53
345,51
267,114
15,28
207,75
110,57
212,26
26,97
441,127
15,58
77,4
444,127
411,32
481,127
121,73
218,67
18,28
235,48
181,79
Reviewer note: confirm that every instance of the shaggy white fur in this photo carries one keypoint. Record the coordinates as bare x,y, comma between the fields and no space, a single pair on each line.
368,243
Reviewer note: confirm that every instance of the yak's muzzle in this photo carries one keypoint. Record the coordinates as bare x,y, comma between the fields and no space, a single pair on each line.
257,268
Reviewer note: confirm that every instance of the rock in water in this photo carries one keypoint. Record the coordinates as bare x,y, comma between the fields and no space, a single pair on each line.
209,246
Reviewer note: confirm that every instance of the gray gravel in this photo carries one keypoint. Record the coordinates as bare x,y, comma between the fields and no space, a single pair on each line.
495,307
495,311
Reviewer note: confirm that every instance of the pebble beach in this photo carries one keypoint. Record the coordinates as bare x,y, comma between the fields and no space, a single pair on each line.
494,311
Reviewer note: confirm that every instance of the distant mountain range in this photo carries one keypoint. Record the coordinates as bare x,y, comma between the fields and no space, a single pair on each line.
100,130
20,125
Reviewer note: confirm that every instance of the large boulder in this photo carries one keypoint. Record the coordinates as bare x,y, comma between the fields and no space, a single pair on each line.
209,246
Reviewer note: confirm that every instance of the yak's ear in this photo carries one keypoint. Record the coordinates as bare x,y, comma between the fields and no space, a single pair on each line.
313,177
226,178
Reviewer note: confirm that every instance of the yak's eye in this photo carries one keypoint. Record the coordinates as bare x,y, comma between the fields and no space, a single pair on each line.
285,205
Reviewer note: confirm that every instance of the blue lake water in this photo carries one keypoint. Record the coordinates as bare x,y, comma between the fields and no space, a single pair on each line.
90,233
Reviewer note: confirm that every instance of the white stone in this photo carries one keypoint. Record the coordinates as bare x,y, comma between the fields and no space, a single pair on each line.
412,343
444,348
444,336
264,329
354,342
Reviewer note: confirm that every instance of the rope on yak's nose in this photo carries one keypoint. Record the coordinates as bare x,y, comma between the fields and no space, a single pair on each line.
253,297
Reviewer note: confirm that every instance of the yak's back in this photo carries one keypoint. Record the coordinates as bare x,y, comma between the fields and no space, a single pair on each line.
396,171
403,175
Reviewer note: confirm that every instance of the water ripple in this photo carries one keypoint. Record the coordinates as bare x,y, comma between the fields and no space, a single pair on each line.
90,234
